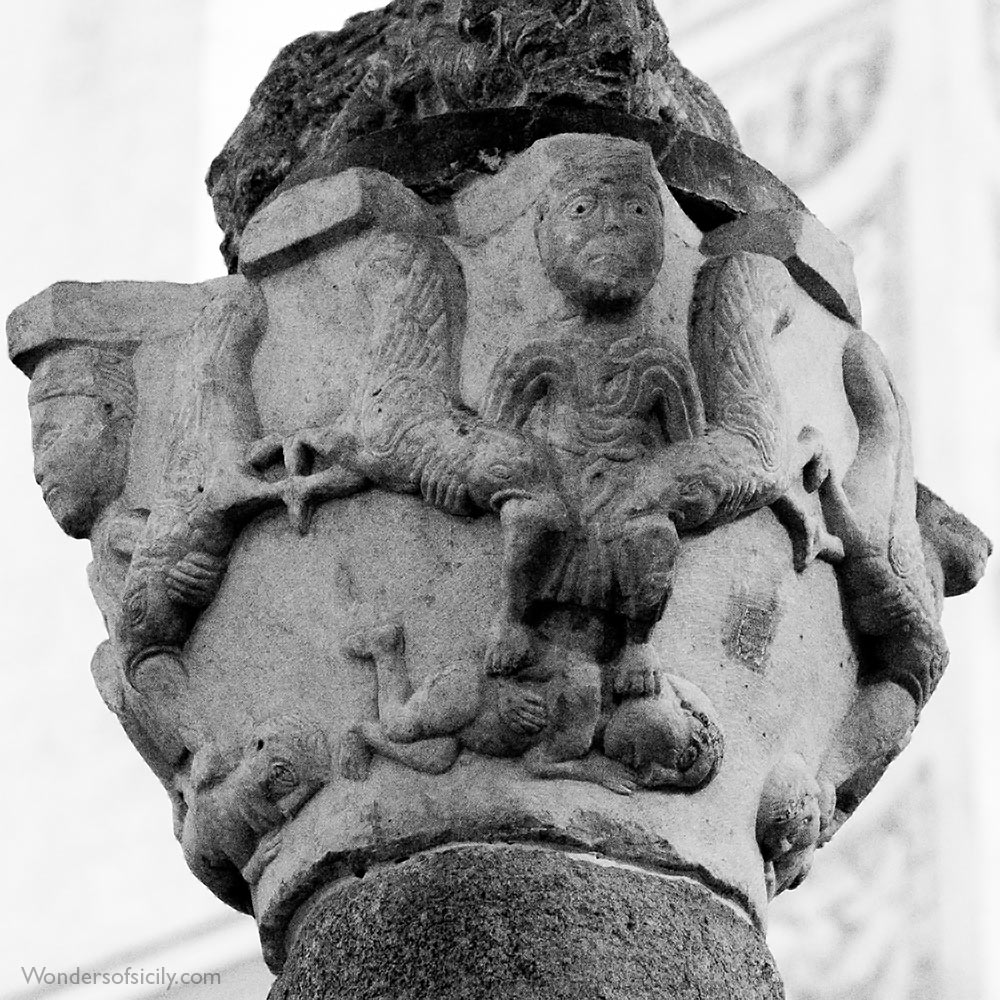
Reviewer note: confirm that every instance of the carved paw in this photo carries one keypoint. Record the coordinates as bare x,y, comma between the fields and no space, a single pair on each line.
510,650
506,467
807,532
523,710
195,580
318,464
267,850
619,783
814,459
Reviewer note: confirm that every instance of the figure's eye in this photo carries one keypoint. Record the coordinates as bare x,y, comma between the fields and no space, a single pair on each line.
282,773
637,208
687,759
580,208
500,470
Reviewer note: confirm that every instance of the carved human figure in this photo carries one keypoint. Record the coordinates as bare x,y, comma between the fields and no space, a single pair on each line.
557,716
645,444
82,404
240,795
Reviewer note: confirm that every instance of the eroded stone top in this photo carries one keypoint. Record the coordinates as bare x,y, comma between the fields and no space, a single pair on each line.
417,59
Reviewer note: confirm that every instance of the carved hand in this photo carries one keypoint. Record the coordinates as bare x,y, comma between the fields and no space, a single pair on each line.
522,710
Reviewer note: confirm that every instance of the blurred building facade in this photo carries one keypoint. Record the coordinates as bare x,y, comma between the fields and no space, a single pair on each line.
884,115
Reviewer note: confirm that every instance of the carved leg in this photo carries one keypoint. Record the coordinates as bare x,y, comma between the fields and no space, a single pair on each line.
810,538
531,530
595,768
645,554
430,756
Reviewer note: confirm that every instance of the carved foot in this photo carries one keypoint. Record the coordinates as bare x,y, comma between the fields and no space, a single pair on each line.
595,769
812,458
313,472
380,638
637,673
431,756
511,648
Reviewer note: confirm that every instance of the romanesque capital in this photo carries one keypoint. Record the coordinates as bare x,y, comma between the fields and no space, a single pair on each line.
514,569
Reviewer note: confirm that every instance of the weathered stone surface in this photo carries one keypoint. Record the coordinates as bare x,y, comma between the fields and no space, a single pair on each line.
815,258
532,923
316,214
415,59
494,502
437,157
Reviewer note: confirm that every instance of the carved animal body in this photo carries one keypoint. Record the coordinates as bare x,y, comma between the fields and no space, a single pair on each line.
208,492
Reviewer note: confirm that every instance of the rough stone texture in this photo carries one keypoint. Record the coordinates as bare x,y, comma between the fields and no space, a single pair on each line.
473,922
494,501
414,59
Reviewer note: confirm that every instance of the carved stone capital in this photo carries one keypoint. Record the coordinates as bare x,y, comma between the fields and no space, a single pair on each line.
518,563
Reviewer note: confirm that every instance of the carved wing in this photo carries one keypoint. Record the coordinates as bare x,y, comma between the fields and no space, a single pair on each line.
411,355
740,303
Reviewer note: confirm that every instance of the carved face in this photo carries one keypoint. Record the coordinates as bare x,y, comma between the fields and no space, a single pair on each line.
665,744
601,238
80,457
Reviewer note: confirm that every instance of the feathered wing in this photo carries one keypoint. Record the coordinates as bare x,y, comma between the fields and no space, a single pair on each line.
741,302
415,436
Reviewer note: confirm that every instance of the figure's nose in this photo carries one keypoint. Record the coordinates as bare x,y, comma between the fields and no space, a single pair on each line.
614,217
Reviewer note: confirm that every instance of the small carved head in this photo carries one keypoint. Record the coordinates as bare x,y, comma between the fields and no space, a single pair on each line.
667,744
792,810
82,402
286,753
600,231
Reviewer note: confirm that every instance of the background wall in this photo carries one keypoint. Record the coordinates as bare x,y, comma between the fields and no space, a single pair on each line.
883,114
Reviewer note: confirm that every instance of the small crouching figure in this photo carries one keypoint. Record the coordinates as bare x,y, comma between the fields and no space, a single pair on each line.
240,796
794,813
